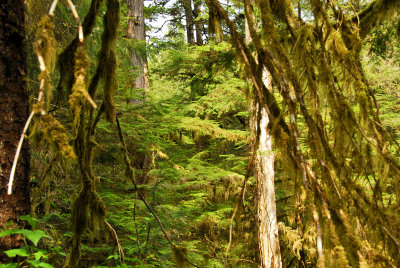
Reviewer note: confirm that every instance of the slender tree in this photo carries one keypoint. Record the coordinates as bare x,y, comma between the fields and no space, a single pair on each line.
13,114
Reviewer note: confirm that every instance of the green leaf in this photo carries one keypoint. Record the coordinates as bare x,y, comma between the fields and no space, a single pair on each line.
32,221
9,232
58,250
40,254
17,252
133,260
9,265
45,265
114,257
36,263
123,265
35,236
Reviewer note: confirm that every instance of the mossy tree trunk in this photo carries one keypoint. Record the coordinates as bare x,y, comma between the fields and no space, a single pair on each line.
13,114
136,31
187,4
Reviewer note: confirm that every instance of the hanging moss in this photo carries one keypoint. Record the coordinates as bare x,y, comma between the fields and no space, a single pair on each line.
319,77
214,22
45,43
374,14
66,60
79,95
110,86
45,47
281,8
180,256
56,135
107,61
89,211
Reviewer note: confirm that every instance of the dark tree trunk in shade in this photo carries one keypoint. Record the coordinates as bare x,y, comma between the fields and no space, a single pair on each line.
198,23
136,31
187,4
13,114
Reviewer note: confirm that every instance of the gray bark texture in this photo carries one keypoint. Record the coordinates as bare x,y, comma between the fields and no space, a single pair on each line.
14,110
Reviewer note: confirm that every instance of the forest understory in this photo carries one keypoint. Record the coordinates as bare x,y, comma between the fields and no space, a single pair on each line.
200,133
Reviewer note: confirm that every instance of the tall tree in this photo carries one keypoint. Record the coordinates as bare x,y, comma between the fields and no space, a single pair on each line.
269,251
137,32
13,114
187,4
198,23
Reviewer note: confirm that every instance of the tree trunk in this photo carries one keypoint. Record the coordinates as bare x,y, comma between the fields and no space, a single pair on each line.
198,24
136,31
187,4
14,110
269,250
266,205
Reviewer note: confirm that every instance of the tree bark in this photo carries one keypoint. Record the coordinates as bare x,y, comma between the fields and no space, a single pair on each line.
198,23
269,250
266,205
137,32
14,110
187,4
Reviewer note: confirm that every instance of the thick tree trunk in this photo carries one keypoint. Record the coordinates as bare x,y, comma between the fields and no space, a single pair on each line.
267,223
187,4
198,24
136,31
13,114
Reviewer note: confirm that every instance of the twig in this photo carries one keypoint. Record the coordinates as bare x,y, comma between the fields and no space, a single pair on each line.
21,140
42,67
115,237
78,21
53,7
